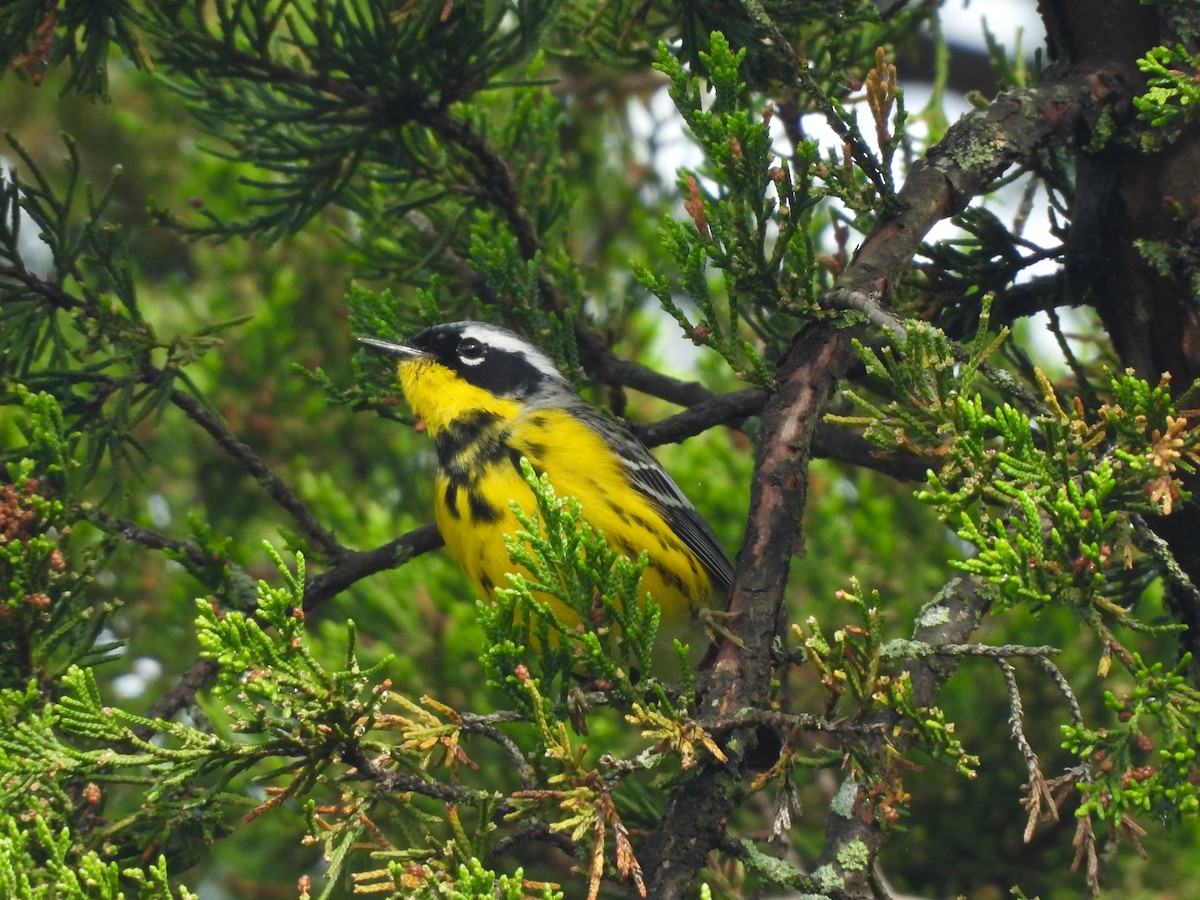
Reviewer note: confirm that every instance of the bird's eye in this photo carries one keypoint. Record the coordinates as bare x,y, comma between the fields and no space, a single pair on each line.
470,349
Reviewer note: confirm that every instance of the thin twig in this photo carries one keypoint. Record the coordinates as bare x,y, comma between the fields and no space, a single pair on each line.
182,694
48,290
1001,651
352,567
871,306
146,537
1148,541
254,465
391,782
1039,796
800,721
1064,688
202,416
528,833
486,726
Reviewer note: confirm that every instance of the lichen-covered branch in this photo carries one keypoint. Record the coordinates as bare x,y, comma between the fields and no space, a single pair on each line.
975,151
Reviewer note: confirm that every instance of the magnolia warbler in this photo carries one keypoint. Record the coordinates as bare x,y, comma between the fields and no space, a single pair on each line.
488,397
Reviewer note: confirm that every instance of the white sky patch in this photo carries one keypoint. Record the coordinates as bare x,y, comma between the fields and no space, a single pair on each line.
159,510
661,139
663,143
34,252
145,671
962,22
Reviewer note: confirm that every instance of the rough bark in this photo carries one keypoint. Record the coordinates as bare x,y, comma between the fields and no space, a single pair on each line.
1133,252
974,152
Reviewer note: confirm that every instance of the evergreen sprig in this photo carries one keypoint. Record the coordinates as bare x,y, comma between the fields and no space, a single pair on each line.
927,379
1173,96
857,669
63,757
73,324
755,229
578,800
282,689
1048,501
1054,522
1045,498
38,861
49,620
35,38
283,709
471,880
316,98
1145,762
578,601
979,264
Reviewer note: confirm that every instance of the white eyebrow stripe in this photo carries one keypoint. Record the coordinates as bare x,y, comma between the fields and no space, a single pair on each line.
504,340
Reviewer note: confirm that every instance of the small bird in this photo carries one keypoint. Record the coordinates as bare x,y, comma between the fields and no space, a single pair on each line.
488,397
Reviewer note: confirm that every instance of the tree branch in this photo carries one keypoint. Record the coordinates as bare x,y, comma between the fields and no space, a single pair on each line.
714,409
351,567
695,818
974,151
952,617
254,465
496,177
131,531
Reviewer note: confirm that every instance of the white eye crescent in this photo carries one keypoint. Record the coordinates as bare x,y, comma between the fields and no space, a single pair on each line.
471,351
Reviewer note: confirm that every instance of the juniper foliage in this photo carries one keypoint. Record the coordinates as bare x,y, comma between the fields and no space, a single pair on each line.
230,656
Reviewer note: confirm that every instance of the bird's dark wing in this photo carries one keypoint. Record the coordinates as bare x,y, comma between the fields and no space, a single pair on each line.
650,479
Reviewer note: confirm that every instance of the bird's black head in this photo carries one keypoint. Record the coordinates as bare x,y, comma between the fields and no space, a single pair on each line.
495,359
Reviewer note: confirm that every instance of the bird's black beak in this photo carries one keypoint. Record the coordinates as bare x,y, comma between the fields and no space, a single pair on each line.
391,348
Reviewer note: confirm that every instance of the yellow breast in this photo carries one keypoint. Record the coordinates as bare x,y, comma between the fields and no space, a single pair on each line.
474,517
480,440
